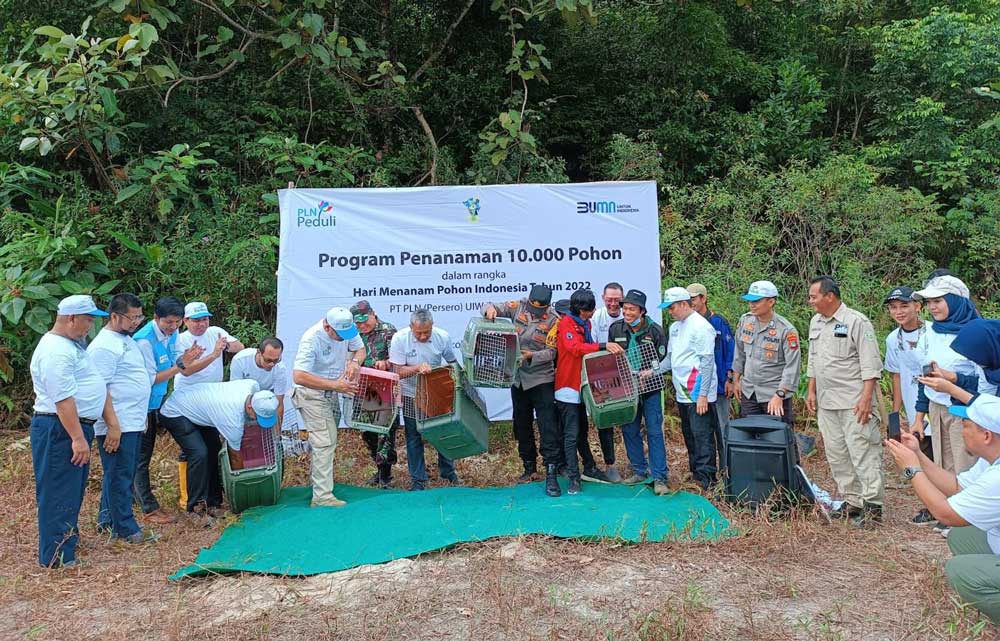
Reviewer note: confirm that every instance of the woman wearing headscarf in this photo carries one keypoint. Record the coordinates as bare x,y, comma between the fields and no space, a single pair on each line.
947,300
978,341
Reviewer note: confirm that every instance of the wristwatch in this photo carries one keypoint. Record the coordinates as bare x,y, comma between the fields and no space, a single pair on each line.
781,393
180,363
910,472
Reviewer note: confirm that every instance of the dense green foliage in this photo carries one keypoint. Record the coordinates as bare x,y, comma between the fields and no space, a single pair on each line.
142,141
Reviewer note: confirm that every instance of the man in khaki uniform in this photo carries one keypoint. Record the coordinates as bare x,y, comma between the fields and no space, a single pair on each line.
326,365
532,393
768,360
843,369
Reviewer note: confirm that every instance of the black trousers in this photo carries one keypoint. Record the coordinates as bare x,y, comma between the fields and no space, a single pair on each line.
538,401
200,446
569,421
753,407
699,437
606,437
141,488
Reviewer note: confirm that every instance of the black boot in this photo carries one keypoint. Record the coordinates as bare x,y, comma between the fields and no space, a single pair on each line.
870,517
552,481
529,473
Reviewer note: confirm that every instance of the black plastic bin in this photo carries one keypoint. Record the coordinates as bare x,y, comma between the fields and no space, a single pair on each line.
760,456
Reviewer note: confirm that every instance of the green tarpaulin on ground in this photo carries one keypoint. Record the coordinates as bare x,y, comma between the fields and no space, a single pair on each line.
377,526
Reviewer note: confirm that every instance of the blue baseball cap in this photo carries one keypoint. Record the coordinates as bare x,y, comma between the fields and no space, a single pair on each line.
79,305
196,309
265,406
759,290
984,411
342,321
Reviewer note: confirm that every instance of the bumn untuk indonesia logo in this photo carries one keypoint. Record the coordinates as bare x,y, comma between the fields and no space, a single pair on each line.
320,216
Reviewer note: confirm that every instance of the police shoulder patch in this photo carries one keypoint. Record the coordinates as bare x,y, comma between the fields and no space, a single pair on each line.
793,340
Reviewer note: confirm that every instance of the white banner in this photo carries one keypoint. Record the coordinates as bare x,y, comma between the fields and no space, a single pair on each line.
451,249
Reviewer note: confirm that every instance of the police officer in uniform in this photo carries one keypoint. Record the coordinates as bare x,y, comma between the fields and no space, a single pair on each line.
532,393
844,369
768,360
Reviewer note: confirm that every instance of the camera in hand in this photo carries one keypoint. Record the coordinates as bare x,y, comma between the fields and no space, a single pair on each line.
927,370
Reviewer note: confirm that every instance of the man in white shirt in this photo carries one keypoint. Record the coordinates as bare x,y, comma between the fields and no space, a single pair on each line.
70,396
414,350
326,365
691,356
122,366
263,364
968,502
610,313
215,341
196,416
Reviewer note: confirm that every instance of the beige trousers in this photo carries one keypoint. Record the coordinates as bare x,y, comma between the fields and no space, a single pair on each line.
854,452
946,439
321,417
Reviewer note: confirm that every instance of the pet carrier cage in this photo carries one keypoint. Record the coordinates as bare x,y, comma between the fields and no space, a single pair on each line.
644,363
608,389
491,351
450,414
375,405
259,482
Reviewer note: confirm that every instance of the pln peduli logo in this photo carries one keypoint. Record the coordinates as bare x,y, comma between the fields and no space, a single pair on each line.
472,205
319,216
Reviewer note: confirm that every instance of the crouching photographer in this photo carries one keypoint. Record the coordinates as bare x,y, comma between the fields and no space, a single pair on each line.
969,502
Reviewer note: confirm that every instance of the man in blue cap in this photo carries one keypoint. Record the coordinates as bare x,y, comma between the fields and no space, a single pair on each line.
70,395
326,365
968,502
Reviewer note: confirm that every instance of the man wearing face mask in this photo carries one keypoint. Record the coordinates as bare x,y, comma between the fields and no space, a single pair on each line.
645,343
534,382
120,363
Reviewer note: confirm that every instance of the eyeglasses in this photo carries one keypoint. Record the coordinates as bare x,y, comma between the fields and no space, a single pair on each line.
271,361
612,299
135,318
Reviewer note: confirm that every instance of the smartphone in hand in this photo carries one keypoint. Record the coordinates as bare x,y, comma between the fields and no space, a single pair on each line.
893,427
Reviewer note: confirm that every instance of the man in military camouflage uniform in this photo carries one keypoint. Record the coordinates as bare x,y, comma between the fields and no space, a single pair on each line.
844,369
376,335
768,360
532,393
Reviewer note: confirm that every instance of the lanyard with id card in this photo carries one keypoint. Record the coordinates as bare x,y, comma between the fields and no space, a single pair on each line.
840,330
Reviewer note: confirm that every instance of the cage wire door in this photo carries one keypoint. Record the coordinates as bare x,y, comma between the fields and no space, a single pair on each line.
610,378
644,362
494,359
375,404
435,395
259,447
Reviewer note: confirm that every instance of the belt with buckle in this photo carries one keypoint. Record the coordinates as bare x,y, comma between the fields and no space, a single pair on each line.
85,421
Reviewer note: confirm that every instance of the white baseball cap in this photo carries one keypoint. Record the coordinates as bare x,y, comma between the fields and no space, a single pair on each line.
196,309
265,406
761,289
938,287
342,322
79,305
984,412
674,295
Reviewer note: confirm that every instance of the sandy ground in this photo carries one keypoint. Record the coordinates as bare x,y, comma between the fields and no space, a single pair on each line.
784,578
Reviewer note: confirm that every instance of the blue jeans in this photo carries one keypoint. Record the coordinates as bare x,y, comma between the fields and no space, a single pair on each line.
650,407
415,456
116,489
59,488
